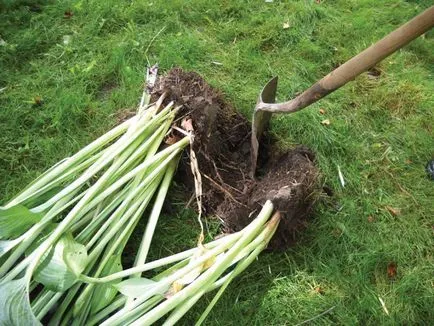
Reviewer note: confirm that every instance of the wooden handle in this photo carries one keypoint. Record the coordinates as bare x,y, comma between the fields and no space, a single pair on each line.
356,65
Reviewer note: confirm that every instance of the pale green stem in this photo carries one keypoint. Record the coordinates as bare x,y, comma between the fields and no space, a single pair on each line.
109,217
211,274
125,313
79,206
225,242
60,168
238,270
78,320
66,320
158,136
181,309
18,252
130,197
137,209
58,181
153,139
258,245
8,245
41,301
176,153
14,272
124,143
178,257
153,218
142,167
64,304
150,147
148,305
92,226
154,142
131,135
265,235
177,266
155,214
88,217
185,306
144,199
59,207
107,311
49,304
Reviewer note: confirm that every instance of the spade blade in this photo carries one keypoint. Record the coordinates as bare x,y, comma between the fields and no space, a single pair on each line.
261,119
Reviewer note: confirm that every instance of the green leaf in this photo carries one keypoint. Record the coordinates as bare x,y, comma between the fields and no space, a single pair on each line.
61,266
134,287
16,220
75,256
15,305
105,293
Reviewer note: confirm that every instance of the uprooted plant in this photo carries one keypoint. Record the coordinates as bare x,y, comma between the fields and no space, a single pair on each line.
62,237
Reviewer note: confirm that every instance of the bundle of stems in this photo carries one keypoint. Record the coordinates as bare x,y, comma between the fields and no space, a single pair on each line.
197,272
63,236
77,217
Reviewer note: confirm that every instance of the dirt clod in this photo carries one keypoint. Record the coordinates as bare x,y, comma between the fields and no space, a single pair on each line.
222,146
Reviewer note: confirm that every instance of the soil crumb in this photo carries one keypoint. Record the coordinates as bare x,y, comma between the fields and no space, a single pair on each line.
222,147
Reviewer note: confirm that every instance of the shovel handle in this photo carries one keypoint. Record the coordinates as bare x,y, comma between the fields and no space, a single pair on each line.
356,65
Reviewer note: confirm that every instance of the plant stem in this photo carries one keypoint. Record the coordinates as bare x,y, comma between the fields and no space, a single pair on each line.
131,196
60,168
270,229
107,311
209,276
91,227
136,209
225,241
155,214
247,234
140,168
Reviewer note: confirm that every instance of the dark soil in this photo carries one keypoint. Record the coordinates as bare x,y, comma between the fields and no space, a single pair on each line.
222,147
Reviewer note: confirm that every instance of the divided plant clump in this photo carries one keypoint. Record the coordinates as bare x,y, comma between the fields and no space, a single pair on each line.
289,178
62,237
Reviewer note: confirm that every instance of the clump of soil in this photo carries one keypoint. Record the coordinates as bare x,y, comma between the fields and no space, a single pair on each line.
222,147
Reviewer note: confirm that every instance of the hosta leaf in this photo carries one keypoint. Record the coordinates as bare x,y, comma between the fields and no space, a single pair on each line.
62,264
15,305
134,287
16,220
104,294
75,256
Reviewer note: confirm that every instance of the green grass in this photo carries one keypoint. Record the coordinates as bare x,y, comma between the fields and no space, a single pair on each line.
380,133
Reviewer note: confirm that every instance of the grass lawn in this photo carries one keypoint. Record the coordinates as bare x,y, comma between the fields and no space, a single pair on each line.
68,67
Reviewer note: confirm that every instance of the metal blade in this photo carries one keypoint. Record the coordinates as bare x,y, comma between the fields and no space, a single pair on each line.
261,119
